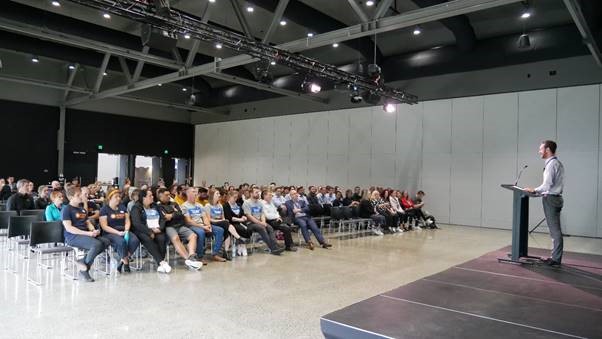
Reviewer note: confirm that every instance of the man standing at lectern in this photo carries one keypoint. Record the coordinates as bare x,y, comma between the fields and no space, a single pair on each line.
551,191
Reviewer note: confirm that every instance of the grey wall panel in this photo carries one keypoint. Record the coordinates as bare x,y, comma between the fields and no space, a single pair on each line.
316,169
318,134
359,170
338,132
465,188
436,126
282,170
500,130
382,170
299,133
578,130
360,129
436,183
409,146
383,131
337,170
467,125
282,133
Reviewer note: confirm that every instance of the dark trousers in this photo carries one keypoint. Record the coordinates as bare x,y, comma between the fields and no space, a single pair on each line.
266,233
305,223
378,219
95,246
552,205
416,214
285,229
156,247
123,248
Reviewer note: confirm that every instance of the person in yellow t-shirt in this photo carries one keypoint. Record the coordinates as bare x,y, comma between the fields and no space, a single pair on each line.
203,197
180,194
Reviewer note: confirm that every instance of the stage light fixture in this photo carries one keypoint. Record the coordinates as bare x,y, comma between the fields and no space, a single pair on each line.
250,9
56,4
335,45
282,22
524,41
35,60
389,107
218,45
106,16
369,3
417,30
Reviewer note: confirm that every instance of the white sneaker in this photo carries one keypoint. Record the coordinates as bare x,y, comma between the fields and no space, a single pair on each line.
244,250
164,267
375,231
193,264
239,250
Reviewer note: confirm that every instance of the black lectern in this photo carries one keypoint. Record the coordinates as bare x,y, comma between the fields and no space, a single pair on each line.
520,225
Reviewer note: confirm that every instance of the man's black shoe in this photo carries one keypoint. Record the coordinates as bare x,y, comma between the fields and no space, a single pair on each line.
551,262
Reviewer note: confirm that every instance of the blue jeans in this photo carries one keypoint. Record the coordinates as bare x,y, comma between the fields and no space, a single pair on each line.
123,248
95,246
304,223
218,236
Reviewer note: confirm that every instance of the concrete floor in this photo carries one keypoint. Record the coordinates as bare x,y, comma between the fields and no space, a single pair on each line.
260,296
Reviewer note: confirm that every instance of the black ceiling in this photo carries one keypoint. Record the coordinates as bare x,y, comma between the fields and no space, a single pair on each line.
449,46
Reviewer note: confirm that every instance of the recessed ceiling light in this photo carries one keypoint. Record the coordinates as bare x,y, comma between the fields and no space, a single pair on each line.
105,74
71,67
106,15
250,9
186,36
35,60
218,45
525,15
184,89
211,1
335,45
310,34
159,85
282,22
417,30
56,4
273,63
369,3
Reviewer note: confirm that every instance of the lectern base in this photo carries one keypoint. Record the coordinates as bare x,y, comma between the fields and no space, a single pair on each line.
526,260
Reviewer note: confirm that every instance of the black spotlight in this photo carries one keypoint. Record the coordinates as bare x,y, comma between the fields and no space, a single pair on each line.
524,41
371,98
355,97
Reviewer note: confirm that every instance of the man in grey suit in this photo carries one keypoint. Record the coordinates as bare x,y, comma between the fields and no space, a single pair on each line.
551,191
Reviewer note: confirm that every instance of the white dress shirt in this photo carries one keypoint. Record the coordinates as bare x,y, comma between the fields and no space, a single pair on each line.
553,178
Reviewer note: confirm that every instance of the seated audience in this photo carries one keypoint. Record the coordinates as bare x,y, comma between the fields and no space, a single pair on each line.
80,233
198,221
367,211
428,217
90,206
298,210
338,201
215,213
234,214
203,196
384,208
21,200
253,210
30,190
5,191
134,197
273,218
411,210
149,226
43,198
115,224
180,197
176,230
53,209
396,207
348,200
357,194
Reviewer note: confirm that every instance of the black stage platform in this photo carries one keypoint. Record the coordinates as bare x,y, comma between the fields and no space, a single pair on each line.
484,299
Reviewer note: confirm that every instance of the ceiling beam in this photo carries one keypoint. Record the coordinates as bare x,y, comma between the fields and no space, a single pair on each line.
197,43
68,88
391,23
275,20
358,10
588,38
139,66
125,69
101,72
382,8
240,15
77,41
70,83
268,87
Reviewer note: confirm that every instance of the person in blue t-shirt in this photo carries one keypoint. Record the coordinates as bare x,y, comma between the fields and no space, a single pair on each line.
115,224
80,233
53,210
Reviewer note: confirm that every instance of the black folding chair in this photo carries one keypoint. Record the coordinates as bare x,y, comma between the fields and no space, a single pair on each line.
45,232
40,214
4,215
19,228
